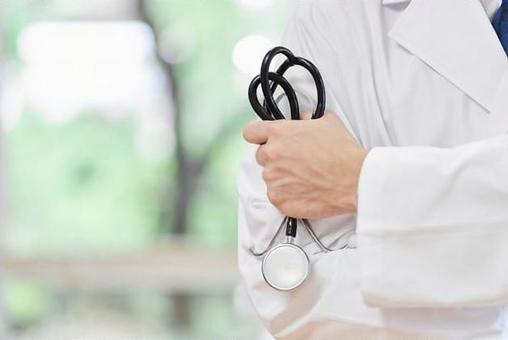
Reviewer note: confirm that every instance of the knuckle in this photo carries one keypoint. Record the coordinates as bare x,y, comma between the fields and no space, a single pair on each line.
274,197
276,127
259,156
268,174
265,154
273,127
285,209
270,152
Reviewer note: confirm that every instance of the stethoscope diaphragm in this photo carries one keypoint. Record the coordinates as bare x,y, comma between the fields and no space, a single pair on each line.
285,267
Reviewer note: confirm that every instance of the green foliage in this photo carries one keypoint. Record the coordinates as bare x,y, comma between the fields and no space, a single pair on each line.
81,187
90,190
26,302
212,99
210,94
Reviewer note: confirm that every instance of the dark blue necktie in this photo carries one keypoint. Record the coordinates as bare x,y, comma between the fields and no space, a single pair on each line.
500,23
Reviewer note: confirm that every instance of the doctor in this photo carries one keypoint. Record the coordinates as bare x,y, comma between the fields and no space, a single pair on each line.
408,170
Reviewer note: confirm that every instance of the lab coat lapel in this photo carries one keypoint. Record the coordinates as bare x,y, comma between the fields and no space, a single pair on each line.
456,39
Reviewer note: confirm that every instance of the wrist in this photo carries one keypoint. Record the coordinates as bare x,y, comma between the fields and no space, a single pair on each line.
349,199
358,170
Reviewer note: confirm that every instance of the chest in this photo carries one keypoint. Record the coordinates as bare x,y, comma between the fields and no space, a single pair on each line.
427,75
425,107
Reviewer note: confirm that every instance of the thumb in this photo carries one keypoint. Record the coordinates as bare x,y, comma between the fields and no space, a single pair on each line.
257,132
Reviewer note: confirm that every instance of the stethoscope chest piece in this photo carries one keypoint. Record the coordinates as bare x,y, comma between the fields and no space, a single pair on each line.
285,267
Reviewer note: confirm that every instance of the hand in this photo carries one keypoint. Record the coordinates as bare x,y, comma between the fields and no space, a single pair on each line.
311,167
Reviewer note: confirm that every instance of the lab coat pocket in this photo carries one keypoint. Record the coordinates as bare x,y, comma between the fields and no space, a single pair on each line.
261,223
264,221
334,234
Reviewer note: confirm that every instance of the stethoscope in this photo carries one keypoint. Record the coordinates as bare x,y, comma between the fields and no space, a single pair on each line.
285,266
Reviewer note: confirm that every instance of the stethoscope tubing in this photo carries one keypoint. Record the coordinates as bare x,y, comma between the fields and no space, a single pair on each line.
269,82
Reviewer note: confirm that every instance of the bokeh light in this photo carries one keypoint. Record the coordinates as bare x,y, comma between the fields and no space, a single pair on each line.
249,52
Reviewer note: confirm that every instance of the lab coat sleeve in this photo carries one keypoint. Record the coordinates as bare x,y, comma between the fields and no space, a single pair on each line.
433,225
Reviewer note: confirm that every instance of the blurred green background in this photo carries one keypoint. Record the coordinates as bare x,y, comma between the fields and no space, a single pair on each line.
121,138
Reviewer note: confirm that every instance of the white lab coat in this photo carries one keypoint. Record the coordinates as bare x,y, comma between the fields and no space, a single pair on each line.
424,85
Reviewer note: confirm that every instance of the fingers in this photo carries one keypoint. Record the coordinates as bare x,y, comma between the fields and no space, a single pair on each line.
260,156
306,116
265,154
257,132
